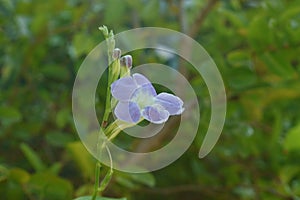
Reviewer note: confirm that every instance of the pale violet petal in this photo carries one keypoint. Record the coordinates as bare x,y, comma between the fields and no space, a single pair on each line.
128,112
144,91
140,79
172,103
123,88
155,114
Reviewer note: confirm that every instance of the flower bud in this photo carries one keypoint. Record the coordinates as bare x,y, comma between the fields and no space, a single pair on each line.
116,53
104,30
126,61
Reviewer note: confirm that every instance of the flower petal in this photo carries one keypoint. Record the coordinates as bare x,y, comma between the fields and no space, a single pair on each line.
123,88
128,111
140,79
170,102
146,91
155,114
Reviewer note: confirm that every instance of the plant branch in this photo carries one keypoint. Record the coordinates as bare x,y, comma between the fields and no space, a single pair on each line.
201,17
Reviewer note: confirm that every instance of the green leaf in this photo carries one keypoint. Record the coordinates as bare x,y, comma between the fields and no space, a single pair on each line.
260,35
134,181
13,191
99,198
290,22
84,189
289,13
19,175
55,168
288,172
239,58
125,182
82,158
32,157
240,78
47,186
9,115
4,172
292,139
58,139
63,117
234,18
277,65
83,44
144,179
58,72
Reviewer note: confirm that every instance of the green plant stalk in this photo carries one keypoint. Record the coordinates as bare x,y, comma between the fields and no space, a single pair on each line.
110,47
113,73
107,109
97,169
97,181
105,181
108,176
117,126
110,42
108,91
98,188
111,131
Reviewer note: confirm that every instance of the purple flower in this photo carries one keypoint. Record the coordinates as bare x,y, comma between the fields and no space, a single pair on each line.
138,99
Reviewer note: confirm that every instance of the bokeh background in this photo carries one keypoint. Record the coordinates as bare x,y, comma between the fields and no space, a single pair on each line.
256,46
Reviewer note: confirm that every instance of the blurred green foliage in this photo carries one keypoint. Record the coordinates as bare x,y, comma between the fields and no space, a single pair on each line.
255,44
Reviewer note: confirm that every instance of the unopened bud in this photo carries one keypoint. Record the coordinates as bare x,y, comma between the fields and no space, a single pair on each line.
126,61
104,30
116,53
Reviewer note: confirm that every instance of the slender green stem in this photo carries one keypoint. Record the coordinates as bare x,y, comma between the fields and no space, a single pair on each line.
98,168
107,108
111,131
116,127
110,46
107,101
110,42
114,134
119,126
108,176
111,127
97,180
117,130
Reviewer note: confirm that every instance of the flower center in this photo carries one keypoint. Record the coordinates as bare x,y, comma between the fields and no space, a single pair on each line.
143,98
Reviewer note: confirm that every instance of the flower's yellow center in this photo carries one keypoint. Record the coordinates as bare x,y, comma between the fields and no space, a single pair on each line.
143,99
